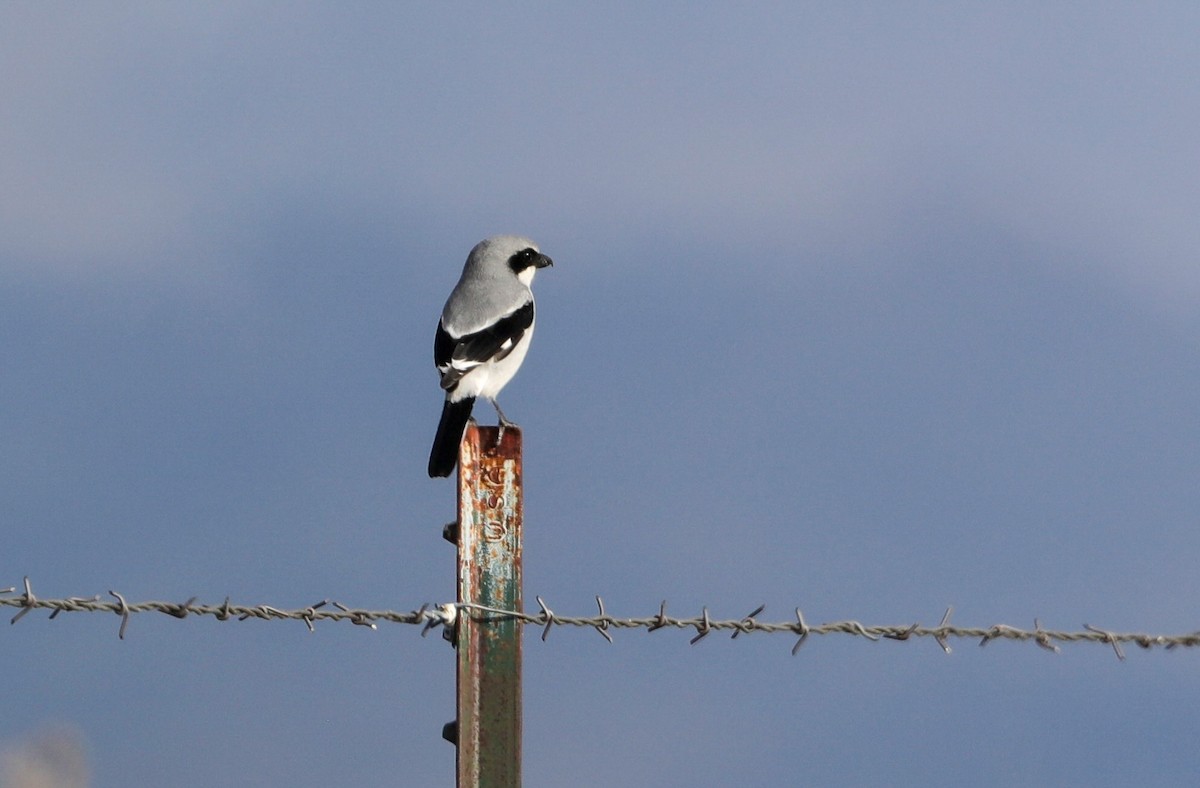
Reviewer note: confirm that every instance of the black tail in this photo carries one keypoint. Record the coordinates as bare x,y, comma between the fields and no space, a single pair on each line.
444,455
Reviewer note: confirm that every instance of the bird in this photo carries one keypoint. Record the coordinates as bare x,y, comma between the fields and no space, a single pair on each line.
483,336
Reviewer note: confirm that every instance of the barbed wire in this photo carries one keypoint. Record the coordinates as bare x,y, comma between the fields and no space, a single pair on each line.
446,615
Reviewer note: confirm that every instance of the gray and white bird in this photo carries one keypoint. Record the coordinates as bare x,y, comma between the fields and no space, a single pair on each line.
483,336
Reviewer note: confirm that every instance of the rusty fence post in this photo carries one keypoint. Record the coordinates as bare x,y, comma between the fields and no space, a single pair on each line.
490,505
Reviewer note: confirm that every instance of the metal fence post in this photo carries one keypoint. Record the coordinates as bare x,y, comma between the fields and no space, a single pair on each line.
490,505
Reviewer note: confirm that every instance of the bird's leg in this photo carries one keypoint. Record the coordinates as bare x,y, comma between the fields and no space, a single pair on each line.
504,422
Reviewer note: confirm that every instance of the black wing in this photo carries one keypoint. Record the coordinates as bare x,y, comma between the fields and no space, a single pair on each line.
456,357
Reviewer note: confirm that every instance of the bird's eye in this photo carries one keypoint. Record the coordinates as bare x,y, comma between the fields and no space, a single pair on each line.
521,260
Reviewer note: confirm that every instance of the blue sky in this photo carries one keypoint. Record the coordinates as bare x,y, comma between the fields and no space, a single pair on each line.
869,309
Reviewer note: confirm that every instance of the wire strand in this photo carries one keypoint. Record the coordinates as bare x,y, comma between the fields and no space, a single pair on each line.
429,616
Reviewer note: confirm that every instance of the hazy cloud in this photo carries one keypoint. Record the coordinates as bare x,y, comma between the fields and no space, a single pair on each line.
52,758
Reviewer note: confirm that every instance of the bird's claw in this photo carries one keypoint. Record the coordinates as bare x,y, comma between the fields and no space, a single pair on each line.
503,423
500,432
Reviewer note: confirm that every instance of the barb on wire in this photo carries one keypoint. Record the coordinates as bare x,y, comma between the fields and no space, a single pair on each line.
943,630
124,611
748,623
441,615
548,615
429,616
27,602
602,627
702,628
311,611
801,629
661,620
1111,637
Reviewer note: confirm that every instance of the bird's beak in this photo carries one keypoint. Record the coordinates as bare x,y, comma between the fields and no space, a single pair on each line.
543,261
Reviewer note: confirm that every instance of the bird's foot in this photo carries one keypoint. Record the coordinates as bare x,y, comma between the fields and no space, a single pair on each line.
500,432
504,422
